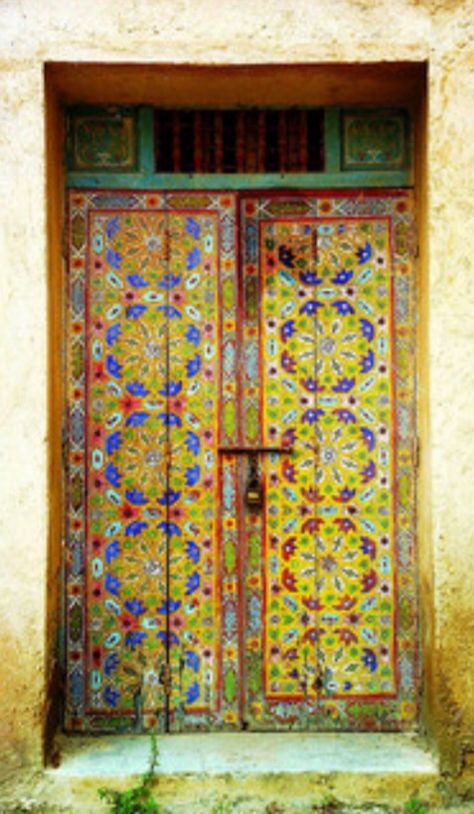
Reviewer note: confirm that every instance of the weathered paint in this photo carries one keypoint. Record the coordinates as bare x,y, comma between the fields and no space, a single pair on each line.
326,608
324,180
339,148
331,32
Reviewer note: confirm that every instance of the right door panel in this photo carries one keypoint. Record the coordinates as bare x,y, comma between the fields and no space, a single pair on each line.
328,371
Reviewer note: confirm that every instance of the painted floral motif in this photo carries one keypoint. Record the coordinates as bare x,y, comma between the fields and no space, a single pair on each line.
301,615
330,559
100,141
374,139
144,436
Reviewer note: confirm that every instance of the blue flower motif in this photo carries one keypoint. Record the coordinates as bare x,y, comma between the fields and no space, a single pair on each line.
311,416
112,227
170,529
136,497
193,259
193,551
135,528
169,606
287,330
192,583
113,442
367,362
345,416
111,663
369,659
193,366
171,389
170,281
192,660
193,473
192,442
309,308
168,639
114,367
137,419
114,259
111,696
310,278
193,335
345,494
368,437
135,638
343,307
193,228
192,693
367,329
137,389
135,607
112,551
342,277
137,281
112,584
344,385
309,384
286,256
368,547
364,253
135,311
369,472
113,334
168,498
169,419
169,311
113,475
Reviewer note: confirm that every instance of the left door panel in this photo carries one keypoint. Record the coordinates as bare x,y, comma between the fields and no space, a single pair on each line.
151,624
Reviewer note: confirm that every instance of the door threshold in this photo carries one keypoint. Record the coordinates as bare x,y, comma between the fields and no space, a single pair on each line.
246,753
249,773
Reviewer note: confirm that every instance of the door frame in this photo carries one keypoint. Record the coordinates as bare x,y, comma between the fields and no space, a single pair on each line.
382,84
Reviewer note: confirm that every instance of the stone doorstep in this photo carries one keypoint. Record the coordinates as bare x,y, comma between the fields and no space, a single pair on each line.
248,771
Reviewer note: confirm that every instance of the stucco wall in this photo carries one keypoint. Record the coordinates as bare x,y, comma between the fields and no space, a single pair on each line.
239,31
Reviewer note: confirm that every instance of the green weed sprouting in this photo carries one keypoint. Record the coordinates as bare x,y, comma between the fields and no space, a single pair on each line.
415,806
138,799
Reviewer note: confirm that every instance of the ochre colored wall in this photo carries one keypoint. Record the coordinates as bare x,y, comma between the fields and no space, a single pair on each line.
334,32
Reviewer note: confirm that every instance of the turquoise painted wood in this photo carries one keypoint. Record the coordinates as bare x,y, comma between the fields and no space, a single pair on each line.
320,180
333,176
332,140
146,152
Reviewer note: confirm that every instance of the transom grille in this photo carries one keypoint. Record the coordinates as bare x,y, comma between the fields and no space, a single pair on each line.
239,141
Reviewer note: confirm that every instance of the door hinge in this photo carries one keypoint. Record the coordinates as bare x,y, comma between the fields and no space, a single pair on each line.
165,679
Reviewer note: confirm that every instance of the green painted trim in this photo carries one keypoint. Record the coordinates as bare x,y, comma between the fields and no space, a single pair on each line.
146,141
353,179
73,113
332,139
374,113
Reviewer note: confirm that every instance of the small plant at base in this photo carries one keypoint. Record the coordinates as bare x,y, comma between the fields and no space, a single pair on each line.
139,799
415,806
328,805
222,807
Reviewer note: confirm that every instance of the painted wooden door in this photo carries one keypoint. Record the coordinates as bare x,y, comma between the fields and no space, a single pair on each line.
214,338
330,603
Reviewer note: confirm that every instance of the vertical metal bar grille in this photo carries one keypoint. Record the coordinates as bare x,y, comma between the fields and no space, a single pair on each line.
239,141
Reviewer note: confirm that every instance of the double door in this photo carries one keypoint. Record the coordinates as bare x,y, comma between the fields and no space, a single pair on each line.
240,474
